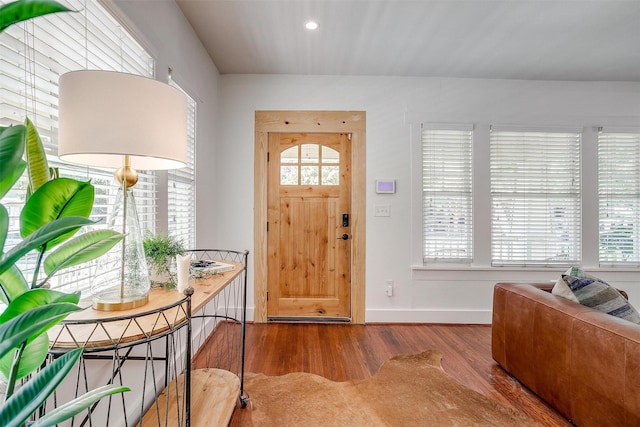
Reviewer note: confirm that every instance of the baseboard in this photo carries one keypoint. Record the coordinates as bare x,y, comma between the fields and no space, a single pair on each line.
428,316
474,317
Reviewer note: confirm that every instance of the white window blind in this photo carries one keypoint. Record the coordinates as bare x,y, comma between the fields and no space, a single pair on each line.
619,198
182,184
535,198
447,194
34,55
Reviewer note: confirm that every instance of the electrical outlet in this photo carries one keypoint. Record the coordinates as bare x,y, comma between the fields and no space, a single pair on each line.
382,210
389,288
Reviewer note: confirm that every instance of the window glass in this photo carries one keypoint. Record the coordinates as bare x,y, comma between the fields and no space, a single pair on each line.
329,155
309,153
447,195
309,175
619,198
316,165
182,184
535,198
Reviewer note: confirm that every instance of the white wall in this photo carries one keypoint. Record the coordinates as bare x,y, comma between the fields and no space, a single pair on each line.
162,28
393,105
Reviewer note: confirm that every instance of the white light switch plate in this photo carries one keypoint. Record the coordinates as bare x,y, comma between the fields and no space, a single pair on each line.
382,210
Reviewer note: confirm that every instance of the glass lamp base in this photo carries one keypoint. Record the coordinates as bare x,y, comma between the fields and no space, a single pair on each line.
112,301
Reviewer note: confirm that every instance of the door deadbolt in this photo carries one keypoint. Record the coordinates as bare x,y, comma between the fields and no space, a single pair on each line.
345,236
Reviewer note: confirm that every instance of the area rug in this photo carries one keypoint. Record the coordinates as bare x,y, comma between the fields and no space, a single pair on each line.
408,390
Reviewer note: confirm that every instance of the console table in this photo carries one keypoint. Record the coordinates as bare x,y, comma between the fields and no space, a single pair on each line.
150,349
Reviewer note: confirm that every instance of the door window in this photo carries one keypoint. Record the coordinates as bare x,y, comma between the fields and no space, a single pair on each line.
309,164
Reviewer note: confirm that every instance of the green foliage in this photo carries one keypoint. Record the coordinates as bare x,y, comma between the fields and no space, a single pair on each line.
11,149
55,210
19,407
160,250
58,198
37,346
18,11
86,247
38,167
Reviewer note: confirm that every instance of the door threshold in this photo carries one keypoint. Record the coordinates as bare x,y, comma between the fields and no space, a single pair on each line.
309,319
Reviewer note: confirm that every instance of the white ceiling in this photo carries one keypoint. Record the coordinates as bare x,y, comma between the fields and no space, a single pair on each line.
597,40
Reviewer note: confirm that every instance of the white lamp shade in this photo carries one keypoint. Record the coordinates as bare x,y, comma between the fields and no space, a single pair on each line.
104,115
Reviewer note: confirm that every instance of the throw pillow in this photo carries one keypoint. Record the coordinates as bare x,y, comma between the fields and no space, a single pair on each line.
581,287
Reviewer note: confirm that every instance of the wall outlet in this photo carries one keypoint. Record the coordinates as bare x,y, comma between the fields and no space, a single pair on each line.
389,289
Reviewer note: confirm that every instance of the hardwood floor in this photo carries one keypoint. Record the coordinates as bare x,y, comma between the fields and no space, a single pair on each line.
343,352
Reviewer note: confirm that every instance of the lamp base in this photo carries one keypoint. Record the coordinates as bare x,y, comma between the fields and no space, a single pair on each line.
112,301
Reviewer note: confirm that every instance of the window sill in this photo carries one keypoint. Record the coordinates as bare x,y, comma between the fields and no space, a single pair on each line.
452,272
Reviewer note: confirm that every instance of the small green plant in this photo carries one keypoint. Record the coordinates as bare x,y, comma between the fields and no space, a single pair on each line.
160,250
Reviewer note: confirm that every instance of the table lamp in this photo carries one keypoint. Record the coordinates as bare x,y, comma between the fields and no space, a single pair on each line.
118,120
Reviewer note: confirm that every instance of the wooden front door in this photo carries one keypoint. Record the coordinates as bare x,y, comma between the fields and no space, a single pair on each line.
309,226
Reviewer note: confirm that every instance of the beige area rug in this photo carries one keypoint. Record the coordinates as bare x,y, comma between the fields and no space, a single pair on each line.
408,390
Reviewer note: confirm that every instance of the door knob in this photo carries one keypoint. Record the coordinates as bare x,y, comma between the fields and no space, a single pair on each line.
345,236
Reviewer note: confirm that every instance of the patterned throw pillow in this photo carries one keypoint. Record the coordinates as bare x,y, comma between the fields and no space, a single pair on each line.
583,288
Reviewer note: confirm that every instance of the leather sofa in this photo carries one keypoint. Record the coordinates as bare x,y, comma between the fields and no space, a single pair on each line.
584,363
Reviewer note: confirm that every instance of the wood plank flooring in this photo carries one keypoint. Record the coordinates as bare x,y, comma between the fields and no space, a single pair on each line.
343,352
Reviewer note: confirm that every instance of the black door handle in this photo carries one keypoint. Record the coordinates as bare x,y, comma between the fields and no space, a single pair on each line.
345,236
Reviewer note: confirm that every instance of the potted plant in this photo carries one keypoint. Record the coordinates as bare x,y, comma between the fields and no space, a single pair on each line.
54,211
160,251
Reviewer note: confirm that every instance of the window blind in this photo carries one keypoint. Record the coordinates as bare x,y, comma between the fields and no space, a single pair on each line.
535,198
447,194
35,54
619,198
182,184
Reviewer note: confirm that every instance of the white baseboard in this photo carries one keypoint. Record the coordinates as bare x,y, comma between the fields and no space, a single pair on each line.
428,316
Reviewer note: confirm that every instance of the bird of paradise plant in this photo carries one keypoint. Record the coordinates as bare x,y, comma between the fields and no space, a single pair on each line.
54,211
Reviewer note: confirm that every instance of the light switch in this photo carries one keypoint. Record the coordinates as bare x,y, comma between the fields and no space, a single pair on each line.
382,210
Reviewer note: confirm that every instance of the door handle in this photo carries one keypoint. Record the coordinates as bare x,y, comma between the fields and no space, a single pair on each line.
345,236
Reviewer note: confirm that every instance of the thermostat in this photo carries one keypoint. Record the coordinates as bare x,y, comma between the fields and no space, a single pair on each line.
387,186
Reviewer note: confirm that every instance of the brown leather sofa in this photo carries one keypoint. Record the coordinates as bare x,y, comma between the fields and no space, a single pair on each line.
584,363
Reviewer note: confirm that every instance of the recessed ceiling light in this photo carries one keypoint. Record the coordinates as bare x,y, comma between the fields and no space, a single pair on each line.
311,25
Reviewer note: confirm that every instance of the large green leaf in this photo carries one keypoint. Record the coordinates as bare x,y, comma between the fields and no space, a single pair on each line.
59,198
19,407
4,227
32,357
36,298
12,142
37,166
37,346
81,249
12,13
77,405
32,323
13,284
7,183
41,237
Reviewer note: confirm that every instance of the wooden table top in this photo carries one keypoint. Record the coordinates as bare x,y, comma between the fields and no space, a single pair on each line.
110,329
